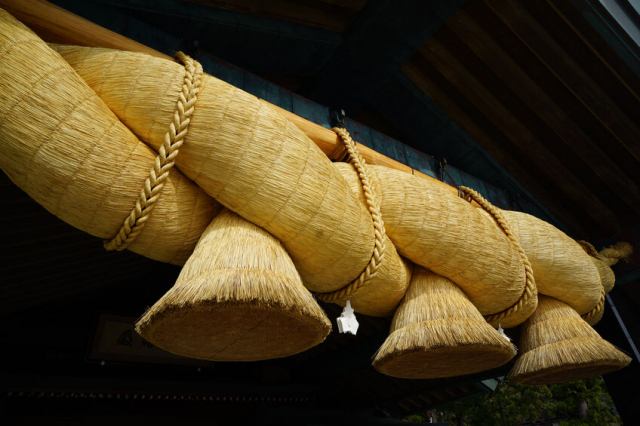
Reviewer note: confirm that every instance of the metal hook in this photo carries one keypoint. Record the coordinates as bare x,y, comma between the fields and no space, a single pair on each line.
337,118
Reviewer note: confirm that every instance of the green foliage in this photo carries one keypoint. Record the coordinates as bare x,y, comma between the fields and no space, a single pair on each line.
414,418
580,403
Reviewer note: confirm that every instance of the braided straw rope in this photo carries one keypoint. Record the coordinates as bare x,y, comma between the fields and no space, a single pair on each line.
591,251
166,158
378,225
595,311
530,284
609,256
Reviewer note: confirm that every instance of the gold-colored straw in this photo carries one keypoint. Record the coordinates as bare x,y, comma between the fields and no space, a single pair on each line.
437,332
246,155
238,298
63,146
558,346
562,268
603,262
606,258
446,234
382,284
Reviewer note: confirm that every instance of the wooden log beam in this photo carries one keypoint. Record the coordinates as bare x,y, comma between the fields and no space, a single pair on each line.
57,25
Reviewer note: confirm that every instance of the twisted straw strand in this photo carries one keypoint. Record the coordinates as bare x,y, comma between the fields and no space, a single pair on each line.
378,224
595,311
165,160
591,251
530,284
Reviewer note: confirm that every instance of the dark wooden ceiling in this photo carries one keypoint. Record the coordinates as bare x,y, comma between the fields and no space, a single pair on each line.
536,86
332,15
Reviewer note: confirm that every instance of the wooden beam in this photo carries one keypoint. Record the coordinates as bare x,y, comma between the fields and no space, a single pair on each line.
327,141
413,71
58,25
541,44
544,107
533,151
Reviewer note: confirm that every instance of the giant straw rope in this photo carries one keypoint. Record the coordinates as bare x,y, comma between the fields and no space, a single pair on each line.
374,208
257,163
64,147
166,158
250,158
530,284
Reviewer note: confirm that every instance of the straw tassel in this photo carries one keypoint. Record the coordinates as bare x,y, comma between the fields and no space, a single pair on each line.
613,254
437,332
238,298
559,346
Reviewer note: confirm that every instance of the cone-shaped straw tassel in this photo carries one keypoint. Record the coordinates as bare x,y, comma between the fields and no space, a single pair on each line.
438,332
238,298
559,346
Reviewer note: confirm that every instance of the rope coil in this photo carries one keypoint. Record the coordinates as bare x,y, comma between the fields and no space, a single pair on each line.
530,284
595,311
610,256
166,158
591,251
380,234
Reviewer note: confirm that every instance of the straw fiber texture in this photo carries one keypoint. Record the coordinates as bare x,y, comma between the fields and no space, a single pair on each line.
446,234
615,253
595,315
246,155
165,160
603,261
529,297
437,332
238,298
558,346
379,289
64,147
562,268
607,277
